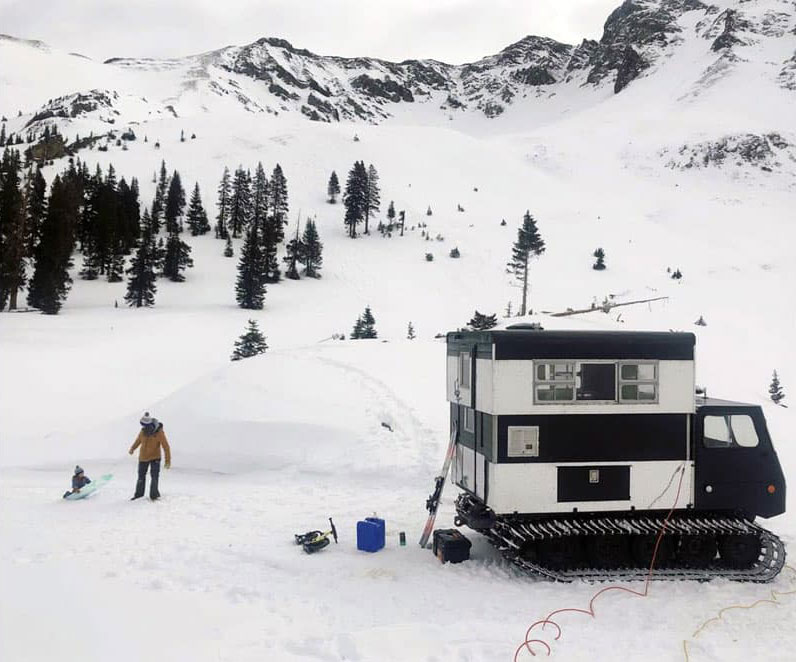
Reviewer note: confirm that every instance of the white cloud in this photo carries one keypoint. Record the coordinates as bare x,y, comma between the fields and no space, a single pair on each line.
449,30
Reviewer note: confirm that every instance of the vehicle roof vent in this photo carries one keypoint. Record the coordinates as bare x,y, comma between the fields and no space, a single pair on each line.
525,326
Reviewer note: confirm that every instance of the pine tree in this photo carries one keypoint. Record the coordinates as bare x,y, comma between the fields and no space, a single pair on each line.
177,258
115,271
251,343
224,195
356,332
129,215
373,195
368,328
481,322
197,216
36,203
775,389
175,204
250,284
410,332
356,197
259,199
599,265
53,256
228,252
13,229
333,188
529,244
428,211
141,286
159,202
294,254
312,256
274,233
240,203
390,217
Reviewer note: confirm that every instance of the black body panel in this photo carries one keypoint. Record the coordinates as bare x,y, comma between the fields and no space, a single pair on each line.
619,345
593,484
738,477
600,437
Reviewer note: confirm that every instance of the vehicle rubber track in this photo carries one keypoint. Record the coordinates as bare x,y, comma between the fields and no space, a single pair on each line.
519,538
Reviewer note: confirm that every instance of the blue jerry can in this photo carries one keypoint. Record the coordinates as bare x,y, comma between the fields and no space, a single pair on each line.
370,534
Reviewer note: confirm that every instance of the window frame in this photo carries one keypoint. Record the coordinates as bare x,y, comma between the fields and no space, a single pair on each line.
465,370
733,442
572,382
654,382
471,416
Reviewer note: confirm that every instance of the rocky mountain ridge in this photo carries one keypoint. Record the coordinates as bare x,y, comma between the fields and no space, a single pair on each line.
271,75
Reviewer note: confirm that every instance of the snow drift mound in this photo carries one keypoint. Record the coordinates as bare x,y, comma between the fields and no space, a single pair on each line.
320,409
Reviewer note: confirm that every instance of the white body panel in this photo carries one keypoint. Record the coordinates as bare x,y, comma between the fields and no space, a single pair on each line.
484,390
533,488
512,391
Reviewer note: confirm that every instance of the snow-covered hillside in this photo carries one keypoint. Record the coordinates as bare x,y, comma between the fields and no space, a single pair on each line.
691,165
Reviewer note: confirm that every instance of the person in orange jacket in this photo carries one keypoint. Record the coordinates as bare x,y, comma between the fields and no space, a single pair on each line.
151,439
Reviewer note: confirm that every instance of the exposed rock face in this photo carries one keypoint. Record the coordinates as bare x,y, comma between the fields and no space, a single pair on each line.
787,77
734,23
386,89
630,67
768,152
79,104
634,36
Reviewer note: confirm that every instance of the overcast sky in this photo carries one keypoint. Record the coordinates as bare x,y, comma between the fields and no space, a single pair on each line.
454,31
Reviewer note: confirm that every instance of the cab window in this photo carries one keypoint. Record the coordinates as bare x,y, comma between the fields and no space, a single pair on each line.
729,430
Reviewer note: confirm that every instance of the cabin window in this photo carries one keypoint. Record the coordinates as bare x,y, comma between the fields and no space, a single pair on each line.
464,370
575,381
555,382
729,430
638,382
596,382
469,420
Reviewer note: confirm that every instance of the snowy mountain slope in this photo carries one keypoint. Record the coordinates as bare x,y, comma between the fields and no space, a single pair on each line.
272,446
272,76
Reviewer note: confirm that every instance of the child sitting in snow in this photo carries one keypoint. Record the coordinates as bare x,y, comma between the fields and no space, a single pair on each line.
79,480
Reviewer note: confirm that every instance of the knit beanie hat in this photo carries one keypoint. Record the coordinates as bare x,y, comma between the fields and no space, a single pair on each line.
78,469
146,419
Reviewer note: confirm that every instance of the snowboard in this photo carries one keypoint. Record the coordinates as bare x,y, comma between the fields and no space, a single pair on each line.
89,489
432,503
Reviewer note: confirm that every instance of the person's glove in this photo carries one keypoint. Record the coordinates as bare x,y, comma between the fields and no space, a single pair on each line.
130,452
168,465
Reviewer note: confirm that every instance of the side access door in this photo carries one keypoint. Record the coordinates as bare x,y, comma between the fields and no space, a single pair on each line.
737,468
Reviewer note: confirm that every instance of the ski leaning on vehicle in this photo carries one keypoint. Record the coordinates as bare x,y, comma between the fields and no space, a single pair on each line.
432,503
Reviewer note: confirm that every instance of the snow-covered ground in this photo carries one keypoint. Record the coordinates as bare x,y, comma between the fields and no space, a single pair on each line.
274,445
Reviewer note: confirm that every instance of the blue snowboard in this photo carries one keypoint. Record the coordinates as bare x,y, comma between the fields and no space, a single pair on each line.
89,489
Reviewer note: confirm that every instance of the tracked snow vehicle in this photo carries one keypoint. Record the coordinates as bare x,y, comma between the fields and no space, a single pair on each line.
573,448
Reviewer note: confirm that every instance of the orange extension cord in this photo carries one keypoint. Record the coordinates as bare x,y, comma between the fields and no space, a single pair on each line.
548,620
773,600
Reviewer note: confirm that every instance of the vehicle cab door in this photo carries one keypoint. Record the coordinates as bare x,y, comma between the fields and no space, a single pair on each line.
737,468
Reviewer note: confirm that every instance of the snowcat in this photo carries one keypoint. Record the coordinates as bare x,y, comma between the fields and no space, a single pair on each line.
575,449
